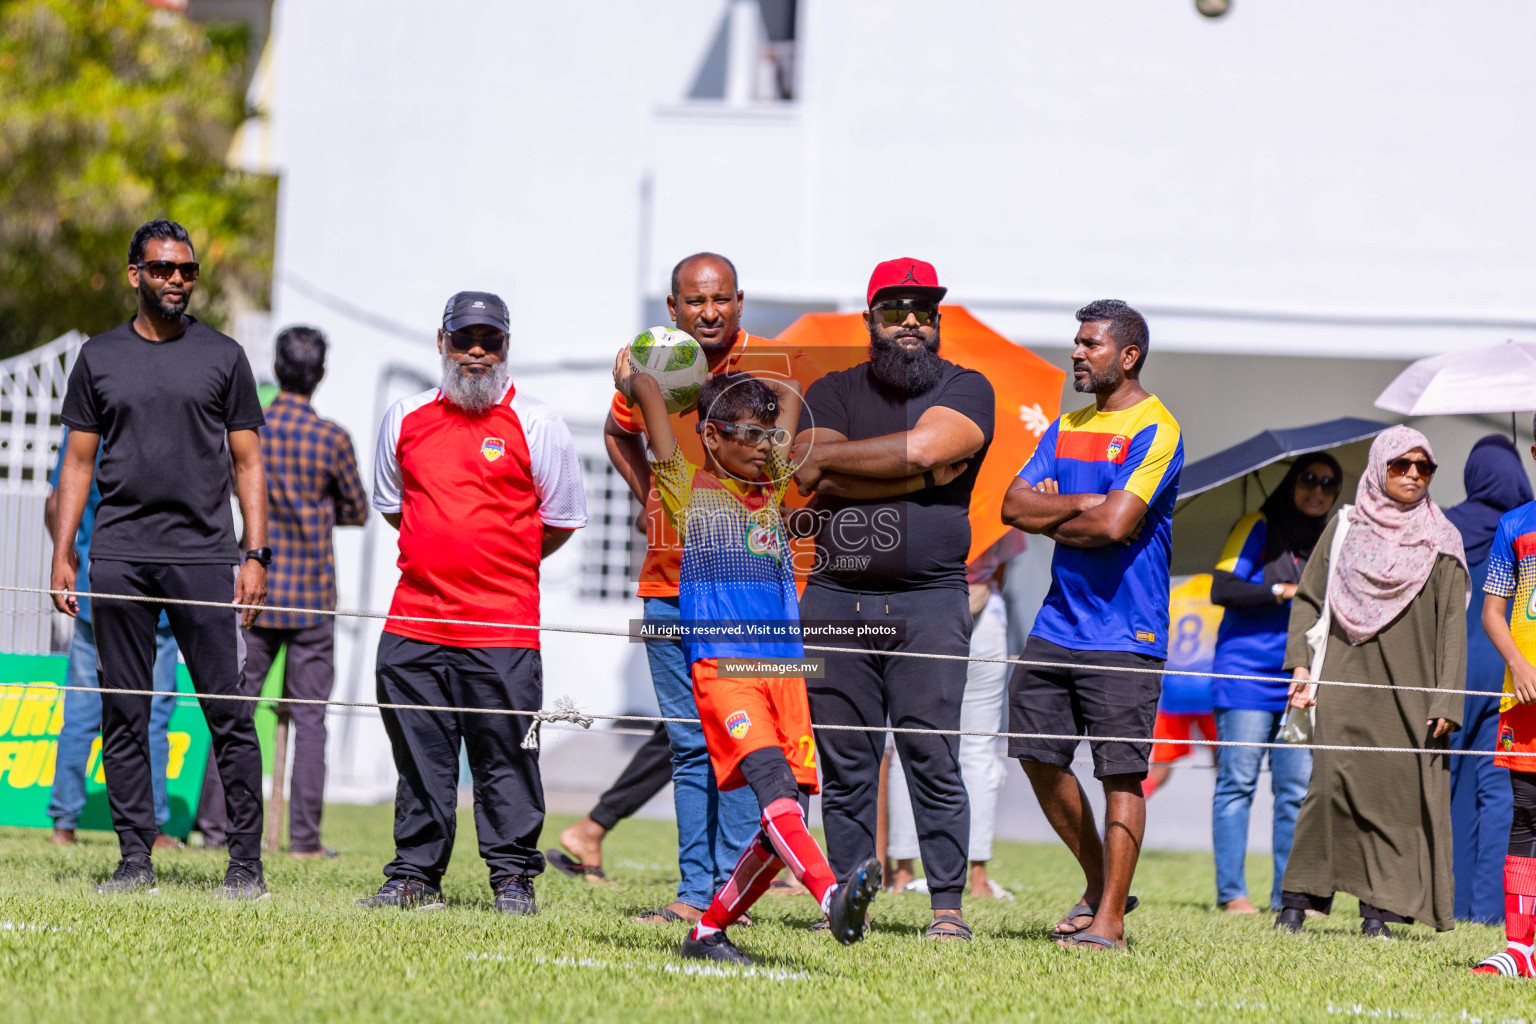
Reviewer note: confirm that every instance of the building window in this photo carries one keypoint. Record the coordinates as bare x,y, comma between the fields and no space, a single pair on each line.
610,542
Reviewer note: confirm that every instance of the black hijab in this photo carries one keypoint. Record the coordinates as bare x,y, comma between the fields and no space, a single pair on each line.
1292,534
1496,483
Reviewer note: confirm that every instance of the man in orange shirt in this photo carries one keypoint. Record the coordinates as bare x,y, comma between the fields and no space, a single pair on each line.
712,827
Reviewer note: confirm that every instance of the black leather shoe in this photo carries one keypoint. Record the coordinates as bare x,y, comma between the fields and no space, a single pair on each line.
1372,928
1290,920
404,894
851,902
243,881
133,874
514,895
714,947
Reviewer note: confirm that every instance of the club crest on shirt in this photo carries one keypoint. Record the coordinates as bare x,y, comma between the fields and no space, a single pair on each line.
1506,738
493,448
1116,446
763,539
737,724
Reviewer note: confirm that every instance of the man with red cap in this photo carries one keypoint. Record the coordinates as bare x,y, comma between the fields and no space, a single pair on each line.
894,563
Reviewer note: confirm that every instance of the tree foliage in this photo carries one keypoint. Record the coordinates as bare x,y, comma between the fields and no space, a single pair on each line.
113,113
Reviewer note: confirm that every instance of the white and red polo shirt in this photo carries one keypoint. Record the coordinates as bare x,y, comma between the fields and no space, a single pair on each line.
474,494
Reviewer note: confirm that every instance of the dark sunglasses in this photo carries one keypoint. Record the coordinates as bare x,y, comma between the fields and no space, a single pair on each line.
895,311
490,344
749,433
1400,467
1309,481
161,270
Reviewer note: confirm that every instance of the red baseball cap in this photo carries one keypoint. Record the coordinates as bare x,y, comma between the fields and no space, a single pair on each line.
908,275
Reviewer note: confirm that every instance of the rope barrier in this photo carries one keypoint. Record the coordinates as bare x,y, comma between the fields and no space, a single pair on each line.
566,709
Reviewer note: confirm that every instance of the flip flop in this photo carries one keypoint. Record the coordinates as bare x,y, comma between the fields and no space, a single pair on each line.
571,867
959,929
1079,940
667,914
1085,909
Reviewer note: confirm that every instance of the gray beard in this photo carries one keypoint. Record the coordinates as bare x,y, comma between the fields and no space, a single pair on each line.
475,395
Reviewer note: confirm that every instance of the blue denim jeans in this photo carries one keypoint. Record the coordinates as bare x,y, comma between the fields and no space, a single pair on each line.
1237,777
1482,807
712,827
82,721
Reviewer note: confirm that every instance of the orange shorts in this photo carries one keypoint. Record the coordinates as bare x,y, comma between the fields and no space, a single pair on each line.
1179,727
1517,735
743,715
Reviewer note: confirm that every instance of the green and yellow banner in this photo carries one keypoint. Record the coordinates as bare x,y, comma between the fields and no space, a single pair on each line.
30,718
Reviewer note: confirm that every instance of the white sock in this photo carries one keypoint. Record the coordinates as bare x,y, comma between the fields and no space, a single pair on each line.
826,900
704,931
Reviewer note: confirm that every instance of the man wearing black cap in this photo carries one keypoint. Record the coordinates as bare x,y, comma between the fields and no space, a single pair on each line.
482,482
895,562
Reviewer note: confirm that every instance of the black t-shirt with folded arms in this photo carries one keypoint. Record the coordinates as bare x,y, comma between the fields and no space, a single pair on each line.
894,544
164,410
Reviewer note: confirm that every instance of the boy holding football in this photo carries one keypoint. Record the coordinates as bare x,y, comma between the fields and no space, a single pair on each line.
736,574
1512,574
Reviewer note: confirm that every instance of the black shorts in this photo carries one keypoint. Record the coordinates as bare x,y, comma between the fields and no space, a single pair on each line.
1087,699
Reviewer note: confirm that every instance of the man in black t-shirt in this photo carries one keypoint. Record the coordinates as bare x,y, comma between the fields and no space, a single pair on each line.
170,403
891,448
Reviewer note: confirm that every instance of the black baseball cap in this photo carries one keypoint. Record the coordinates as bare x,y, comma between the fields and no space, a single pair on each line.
466,309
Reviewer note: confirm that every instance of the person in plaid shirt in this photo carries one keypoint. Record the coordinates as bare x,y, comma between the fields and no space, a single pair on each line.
312,486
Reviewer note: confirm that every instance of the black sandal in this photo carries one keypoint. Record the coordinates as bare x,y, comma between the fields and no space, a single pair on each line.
571,867
959,929
667,915
1086,909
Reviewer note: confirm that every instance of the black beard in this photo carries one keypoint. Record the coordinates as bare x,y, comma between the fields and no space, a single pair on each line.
906,372
1097,383
166,310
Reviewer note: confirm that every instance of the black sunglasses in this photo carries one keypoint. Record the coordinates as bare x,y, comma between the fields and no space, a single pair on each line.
1312,480
161,270
1400,467
895,311
490,344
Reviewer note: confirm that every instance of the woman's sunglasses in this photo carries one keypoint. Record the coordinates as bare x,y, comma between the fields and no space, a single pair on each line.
895,311
1400,467
161,270
748,433
1311,481
489,343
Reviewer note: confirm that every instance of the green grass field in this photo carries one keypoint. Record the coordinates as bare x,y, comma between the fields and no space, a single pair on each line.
307,954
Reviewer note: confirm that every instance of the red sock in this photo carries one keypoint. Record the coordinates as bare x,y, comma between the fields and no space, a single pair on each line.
784,822
751,877
1520,901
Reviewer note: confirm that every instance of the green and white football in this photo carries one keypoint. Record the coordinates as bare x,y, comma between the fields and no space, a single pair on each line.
675,360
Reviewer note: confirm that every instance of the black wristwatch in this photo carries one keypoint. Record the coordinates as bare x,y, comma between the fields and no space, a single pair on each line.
262,555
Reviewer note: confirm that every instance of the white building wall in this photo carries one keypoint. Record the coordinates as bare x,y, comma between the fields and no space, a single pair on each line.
1305,177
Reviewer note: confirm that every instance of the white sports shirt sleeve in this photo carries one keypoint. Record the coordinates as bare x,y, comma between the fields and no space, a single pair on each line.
556,468
388,494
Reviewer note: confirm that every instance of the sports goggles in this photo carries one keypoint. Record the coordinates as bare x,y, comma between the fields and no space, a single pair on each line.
1400,467
488,342
749,433
895,311
161,270
1310,481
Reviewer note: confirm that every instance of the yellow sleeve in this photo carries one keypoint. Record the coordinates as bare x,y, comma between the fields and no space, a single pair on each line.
673,479
779,470
1155,462
1236,541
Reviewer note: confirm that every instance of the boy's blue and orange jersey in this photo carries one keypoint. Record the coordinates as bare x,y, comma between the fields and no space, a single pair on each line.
736,556
1250,641
1115,597
1512,575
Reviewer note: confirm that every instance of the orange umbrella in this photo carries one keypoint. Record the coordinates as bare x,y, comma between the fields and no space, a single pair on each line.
1028,393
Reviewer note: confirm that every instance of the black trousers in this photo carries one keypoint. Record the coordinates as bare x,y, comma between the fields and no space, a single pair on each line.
509,794
647,774
308,674
214,650
867,687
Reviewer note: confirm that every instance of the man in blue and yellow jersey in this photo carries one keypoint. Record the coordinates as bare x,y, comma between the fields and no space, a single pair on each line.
1101,484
